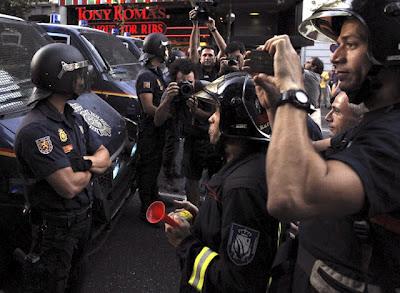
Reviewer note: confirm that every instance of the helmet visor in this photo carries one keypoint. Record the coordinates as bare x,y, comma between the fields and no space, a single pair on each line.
213,93
324,25
82,80
257,114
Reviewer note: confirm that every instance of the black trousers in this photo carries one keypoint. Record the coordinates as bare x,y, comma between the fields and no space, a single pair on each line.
170,149
150,148
61,248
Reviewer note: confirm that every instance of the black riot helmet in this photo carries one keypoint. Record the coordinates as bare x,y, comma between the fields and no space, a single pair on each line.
174,55
241,115
59,68
155,45
380,17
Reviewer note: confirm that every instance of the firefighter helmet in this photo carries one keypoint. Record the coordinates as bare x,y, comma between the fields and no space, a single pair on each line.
380,17
241,114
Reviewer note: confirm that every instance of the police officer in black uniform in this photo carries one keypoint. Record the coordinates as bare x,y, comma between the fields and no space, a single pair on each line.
150,86
348,203
231,245
57,152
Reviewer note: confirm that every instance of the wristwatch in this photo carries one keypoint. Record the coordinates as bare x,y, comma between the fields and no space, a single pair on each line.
297,98
213,29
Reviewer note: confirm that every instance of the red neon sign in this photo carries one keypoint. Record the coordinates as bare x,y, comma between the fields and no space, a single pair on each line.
134,28
121,13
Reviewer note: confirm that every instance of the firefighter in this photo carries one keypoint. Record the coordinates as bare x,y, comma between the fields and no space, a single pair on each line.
58,154
231,245
348,202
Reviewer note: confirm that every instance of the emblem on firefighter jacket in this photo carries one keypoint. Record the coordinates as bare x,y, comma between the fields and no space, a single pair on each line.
242,244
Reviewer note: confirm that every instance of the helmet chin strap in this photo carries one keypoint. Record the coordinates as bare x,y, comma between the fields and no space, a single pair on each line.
370,84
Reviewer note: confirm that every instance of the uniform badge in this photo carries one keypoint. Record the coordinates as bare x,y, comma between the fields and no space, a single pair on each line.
160,85
44,145
63,135
146,84
242,244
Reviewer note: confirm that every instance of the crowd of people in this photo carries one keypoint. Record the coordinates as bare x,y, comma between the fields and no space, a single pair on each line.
285,209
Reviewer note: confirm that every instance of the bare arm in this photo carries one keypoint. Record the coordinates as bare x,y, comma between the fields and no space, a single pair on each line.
68,183
322,145
219,40
163,111
300,183
194,42
100,160
147,102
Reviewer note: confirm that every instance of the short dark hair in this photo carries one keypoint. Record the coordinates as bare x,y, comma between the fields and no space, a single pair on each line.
181,65
210,48
234,46
319,65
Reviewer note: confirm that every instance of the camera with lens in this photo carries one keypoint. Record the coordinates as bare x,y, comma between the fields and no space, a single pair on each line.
232,61
186,89
201,8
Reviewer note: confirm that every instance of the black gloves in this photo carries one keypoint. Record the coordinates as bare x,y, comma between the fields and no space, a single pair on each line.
80,164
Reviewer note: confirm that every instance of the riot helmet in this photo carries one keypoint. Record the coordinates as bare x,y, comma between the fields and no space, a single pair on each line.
380,17
241,115
155,45
59,68
174,55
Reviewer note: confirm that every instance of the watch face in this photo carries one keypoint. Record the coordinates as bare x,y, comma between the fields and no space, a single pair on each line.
301,97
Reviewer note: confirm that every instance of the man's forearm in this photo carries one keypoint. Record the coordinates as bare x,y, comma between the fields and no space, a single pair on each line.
194,43
219,40
162,113
100,160
290,161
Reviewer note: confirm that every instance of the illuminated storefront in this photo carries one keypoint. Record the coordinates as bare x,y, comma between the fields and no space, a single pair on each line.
137,18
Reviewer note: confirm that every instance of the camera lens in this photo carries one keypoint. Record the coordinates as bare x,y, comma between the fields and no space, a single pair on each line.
186,88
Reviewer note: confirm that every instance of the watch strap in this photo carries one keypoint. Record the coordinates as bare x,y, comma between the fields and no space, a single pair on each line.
291,98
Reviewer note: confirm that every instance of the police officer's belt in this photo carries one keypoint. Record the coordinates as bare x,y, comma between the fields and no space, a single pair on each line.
319,272
67,218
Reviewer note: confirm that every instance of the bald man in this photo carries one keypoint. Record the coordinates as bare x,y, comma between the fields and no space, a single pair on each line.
343,115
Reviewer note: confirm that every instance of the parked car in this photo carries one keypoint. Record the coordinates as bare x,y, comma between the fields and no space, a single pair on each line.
134,45
115,67
19,40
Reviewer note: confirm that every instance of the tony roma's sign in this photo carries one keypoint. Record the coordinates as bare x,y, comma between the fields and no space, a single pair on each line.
137,21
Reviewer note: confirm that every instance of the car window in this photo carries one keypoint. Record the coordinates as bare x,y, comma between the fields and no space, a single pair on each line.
19,41
123,64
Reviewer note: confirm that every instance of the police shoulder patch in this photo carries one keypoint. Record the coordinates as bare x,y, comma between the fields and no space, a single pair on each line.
242,244
44,145
146,84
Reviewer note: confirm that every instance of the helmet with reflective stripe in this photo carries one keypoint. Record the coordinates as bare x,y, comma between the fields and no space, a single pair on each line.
241,115
56,67
380,17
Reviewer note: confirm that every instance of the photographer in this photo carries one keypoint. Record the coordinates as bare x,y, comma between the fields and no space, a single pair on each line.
206,63
191,116
234,58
